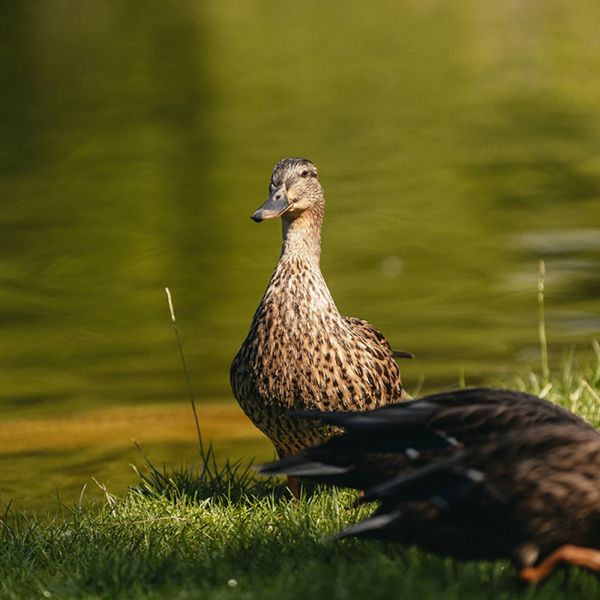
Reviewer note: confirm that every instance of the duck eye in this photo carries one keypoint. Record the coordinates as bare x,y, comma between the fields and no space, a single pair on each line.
304,174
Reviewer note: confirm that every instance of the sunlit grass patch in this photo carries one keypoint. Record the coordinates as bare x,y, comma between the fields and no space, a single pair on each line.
142,546
210,478
576,385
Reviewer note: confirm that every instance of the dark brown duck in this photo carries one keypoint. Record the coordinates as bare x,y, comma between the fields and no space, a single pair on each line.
402,437
532,497
300,352
477,474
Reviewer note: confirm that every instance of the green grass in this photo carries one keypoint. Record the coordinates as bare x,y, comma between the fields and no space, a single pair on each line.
152,547
218,532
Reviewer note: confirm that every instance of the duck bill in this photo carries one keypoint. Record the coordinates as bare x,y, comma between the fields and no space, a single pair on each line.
275,206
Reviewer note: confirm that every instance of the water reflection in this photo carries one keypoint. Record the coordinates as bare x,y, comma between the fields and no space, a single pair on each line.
457,146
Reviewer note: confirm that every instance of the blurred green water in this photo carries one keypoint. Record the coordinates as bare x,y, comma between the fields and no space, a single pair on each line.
458,143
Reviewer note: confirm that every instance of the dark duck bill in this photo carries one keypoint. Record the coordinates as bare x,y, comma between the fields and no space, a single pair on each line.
275,206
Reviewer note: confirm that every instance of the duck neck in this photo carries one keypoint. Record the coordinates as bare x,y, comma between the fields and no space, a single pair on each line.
302,236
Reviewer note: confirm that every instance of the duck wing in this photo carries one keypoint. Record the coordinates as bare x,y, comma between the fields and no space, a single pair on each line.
467,415
373,338
537,489
360,460
398,438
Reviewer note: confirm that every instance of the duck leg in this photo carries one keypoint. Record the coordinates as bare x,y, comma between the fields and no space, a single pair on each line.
294,486
579,556
293,483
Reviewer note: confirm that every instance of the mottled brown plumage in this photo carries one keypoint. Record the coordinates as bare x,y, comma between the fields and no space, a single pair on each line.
300,352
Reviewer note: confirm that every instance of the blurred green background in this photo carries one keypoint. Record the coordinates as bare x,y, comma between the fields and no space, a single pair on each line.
458,143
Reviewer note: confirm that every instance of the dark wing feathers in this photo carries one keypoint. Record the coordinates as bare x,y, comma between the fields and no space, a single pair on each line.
538,486
297,466
398,438
474,412
475,473
380,521
357,459
388,417
418,485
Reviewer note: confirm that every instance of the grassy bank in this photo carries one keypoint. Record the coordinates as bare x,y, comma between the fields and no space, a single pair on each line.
222,534
141,547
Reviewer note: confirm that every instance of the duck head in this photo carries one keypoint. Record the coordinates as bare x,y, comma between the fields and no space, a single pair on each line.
294,189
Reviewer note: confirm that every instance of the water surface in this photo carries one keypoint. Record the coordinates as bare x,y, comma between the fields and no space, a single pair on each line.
458,144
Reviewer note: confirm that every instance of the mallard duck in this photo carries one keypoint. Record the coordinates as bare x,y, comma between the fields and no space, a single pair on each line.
475,474
300,352
532,496
402,437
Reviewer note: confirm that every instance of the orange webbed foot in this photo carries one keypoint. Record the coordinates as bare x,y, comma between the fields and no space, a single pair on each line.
579,556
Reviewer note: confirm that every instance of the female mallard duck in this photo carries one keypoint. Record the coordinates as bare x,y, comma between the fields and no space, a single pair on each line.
301,353
501,475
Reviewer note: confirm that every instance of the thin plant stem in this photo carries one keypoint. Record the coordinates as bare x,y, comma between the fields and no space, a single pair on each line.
542,323
185,370
462,382
591,390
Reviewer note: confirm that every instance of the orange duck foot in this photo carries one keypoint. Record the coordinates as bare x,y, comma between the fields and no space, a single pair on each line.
574,555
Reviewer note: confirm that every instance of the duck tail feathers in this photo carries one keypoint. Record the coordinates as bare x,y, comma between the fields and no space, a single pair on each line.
422,484
297,466
379,521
